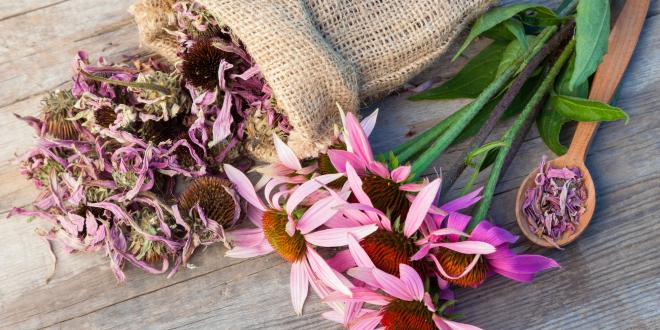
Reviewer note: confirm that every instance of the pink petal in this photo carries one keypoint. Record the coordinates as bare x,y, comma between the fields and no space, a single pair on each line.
356,185
285,154
299,285
359,254
459,326
421,253
243,186
467,247
342,261
321,269
333,316
364,274
412,187
249,252
335,237
369,122
359,295
465,272
255,215
246,237
463,202
400,173
367,322
413,282
419,207
308,188
357,139
393,285
339,158
379,169
428,302
318,214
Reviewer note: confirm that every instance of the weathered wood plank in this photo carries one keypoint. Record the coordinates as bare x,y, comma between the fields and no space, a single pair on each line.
610,278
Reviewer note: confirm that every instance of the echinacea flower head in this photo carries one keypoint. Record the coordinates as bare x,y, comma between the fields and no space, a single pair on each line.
216,198
57,107
389,246
201,62
403,300
470,267
291,230
386,189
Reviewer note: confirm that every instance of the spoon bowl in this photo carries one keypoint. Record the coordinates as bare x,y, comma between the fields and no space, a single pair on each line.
589,204
621,44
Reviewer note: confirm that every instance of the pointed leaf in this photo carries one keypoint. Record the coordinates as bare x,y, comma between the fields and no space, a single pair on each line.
580,109
492,18
592,30
475,76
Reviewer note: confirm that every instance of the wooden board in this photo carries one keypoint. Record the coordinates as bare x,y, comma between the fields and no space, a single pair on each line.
609,279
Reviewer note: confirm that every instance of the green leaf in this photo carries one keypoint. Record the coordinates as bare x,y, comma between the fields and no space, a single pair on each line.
518,30
563,5
499,33
562,86
541,16
514,50
475,76
484,148
580,109
549,123
492,18
592,30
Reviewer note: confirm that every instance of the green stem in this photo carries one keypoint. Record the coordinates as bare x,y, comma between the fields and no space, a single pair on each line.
511,134
440,145
154,87
413,146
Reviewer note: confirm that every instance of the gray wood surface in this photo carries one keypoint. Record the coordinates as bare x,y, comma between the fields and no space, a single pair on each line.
610,278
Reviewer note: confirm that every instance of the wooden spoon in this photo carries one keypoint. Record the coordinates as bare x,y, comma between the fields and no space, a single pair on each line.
622,41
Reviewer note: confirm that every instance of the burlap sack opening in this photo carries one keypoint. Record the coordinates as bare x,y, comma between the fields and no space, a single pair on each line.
317,53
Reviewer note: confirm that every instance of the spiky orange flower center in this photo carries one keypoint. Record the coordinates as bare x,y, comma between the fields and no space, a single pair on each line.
386,196
455,263
213,198
403,315
389,249
291,248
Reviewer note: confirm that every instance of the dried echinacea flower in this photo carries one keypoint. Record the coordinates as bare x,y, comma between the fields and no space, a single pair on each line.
105,116
214,196
150,251
201,62
556,203
56,108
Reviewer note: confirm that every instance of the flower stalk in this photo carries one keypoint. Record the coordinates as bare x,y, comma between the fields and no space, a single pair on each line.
513,132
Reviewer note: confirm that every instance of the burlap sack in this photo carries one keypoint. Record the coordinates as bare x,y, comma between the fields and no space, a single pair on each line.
316,53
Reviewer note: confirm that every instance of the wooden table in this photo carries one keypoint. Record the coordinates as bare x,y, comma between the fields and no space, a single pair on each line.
610,278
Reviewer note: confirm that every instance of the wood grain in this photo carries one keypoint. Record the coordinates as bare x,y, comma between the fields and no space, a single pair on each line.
610,277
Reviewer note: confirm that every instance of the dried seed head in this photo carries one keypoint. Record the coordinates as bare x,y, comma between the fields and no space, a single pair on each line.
201,62
105,116
401,314
455,263
162,130
388,249
55,108
386,196
213,198
144,249
291,248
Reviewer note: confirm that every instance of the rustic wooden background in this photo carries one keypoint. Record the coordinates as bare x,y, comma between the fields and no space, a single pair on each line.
610,278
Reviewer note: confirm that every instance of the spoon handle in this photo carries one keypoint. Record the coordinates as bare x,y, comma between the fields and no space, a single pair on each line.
622,41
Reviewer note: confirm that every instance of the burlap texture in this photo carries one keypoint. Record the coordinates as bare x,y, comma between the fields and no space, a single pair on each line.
316,53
